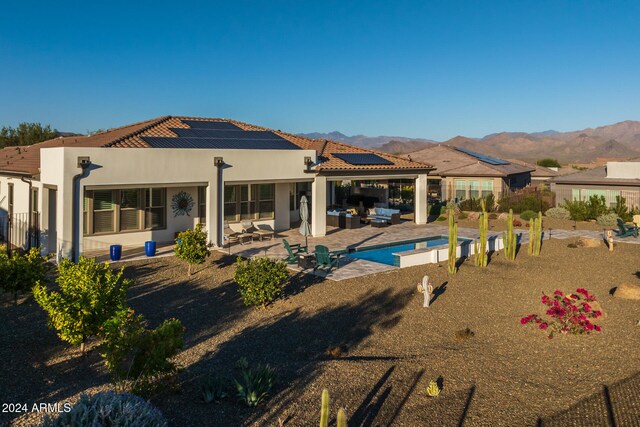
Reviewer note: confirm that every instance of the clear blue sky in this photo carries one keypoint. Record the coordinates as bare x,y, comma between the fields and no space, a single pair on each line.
420,69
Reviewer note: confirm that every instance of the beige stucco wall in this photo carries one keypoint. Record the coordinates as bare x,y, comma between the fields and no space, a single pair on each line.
132,167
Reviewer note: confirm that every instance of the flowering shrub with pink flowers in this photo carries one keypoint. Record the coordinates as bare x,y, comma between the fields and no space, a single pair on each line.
570,313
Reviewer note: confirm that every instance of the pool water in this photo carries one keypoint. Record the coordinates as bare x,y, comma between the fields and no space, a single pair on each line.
383,254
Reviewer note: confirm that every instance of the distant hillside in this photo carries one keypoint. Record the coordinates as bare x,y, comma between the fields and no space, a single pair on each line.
617,141
611,142
376,142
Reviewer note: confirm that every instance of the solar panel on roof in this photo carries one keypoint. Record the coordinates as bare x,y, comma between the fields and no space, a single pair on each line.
483,157
362,159
225,134
201,124
220,143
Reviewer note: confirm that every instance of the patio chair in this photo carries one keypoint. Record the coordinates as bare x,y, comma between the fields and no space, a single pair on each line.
325,259
293,251
626,230
259,231
229,235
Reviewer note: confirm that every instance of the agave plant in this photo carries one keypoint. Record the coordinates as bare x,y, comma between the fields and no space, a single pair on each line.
433,390
255,383
213,389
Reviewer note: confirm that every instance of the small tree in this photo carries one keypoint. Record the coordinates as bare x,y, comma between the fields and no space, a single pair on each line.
135,355
192,247
89,294
548,163
260,280
20,273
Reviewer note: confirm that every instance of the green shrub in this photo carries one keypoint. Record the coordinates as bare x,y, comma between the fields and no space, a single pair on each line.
136,356
596,206
109,409
621,209
213,389
260,279
548,163
607,220
255,383
528,215
441,218
191,247
89,294
558,213
577,209
520,203
20,273
475,205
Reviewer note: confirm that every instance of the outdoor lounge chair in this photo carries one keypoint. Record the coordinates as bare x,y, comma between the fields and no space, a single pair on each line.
325,259
293,251
230,236
626,230
259,231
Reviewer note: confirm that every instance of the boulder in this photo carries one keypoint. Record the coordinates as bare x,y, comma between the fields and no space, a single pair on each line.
503,216
587,242
627,291
473,215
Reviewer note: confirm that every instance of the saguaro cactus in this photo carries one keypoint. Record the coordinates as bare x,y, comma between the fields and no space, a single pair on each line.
509,239
453,243
535,235
324,412
481,244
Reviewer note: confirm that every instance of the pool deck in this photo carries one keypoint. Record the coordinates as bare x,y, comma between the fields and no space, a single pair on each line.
339,239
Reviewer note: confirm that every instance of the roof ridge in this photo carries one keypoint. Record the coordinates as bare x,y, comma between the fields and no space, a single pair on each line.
154,122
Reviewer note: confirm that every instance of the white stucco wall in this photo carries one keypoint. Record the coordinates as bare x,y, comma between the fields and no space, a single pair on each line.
175,168
624,170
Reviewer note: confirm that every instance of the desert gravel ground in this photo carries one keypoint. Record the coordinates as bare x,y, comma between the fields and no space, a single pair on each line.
505,375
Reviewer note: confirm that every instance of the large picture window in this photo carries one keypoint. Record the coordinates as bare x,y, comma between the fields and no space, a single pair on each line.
114,211
248,202
461,189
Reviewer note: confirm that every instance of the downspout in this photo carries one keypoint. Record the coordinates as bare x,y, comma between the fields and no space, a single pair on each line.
219,163
83,163
28,181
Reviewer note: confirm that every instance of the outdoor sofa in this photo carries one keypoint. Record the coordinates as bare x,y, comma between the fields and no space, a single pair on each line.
342,219
390,215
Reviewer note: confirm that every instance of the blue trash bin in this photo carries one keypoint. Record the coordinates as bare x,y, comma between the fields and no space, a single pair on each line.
115,252
150,248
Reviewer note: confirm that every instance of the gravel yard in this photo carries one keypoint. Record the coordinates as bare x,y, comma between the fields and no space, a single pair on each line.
505,375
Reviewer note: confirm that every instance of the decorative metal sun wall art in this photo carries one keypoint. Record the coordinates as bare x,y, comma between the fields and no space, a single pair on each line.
181,204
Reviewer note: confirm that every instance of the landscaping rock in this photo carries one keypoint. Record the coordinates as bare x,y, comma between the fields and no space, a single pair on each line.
627,291
473,215
503,216
587,242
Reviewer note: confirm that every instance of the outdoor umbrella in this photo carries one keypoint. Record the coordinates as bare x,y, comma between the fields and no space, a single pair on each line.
305,228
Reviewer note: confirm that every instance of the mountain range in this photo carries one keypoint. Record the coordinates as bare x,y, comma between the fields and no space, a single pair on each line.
617,141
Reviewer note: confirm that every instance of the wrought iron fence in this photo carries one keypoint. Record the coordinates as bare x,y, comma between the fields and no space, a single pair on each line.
20,231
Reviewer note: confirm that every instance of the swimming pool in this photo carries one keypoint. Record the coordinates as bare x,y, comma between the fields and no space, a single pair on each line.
384,254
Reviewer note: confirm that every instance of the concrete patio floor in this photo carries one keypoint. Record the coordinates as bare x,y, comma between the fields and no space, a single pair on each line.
340,239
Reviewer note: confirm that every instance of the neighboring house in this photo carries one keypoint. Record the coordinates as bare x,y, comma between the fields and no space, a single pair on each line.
540,175
462,174
613,179
151,180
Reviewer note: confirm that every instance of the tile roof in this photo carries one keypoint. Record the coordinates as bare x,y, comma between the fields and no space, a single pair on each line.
27,159
538,171
450,162
595,176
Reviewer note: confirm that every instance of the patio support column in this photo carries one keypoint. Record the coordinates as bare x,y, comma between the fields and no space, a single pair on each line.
420,197
319,206
213,207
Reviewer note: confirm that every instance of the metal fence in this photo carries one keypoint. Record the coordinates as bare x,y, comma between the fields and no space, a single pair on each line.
20,231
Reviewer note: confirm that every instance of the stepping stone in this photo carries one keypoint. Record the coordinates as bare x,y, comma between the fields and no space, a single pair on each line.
627,291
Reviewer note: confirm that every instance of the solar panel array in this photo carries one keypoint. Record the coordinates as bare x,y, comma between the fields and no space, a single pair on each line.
484,158
220,135
362,159
220,143
201,124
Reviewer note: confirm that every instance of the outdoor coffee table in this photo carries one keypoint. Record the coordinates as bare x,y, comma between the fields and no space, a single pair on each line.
379,223
306,261
243,237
